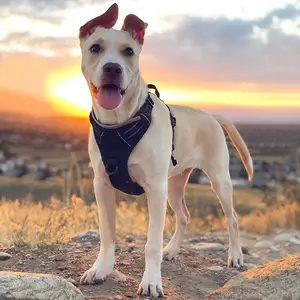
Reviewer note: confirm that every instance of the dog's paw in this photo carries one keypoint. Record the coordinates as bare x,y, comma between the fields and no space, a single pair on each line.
152,289
118,276
235,257
95,276
170,253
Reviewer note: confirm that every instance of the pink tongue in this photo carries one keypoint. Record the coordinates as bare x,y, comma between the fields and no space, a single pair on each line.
109,98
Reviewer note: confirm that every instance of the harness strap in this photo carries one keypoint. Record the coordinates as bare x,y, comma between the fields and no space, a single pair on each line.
116,144
172,119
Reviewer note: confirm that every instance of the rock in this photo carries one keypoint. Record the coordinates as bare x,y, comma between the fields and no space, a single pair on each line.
249,266
193,240
59,258
87,245
130,295
277,280
73,281
219,260
215,268
256,260
293,232
4,256
209,247
130,239
91,235
118,297
265,245
256,255
205,239
20,286
286,238
124,263
130,248
183,251
166,241
273,255
77,251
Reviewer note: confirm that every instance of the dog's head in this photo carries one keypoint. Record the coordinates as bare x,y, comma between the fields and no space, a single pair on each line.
110,58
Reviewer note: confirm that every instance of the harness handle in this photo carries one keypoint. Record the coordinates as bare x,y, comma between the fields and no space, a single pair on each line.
153,87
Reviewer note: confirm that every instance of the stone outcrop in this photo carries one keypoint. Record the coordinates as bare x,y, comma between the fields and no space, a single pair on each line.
31,286
277,280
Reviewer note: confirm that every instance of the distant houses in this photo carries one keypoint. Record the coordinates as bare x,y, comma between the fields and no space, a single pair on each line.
266,172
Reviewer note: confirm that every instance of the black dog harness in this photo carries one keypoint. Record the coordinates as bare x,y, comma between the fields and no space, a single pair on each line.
116,143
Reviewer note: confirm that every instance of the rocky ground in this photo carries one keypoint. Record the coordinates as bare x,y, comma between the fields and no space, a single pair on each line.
199,269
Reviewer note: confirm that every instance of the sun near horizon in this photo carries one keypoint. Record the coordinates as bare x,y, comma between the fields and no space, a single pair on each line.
69,94
237,60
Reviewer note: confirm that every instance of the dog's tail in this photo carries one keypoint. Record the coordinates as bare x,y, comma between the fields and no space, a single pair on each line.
238,143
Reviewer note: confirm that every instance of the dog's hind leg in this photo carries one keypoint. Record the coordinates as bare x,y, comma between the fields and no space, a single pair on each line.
222,186
104,264
176,188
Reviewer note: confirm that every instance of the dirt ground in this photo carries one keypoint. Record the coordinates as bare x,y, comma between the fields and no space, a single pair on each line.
188,277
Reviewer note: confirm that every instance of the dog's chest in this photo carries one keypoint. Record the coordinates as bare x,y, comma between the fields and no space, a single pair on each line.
116,144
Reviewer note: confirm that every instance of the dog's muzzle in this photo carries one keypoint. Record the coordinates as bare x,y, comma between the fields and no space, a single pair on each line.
110,93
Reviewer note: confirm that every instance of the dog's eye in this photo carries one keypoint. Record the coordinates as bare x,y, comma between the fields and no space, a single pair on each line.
128,51
96,48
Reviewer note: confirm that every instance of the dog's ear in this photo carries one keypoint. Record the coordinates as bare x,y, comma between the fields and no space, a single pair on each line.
106,20
135,27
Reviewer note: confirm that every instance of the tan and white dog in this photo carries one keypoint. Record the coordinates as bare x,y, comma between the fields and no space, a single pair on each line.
110,64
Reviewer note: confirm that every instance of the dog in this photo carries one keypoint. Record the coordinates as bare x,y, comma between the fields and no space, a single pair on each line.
110,65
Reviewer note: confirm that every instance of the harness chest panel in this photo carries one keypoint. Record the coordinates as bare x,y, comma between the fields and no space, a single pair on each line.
116,143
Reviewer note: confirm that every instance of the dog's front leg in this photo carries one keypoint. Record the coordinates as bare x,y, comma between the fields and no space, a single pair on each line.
104,264
151,284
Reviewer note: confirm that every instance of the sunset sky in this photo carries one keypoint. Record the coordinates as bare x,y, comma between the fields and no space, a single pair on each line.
237,57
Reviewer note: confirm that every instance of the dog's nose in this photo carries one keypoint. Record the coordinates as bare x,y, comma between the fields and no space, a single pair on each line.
112,69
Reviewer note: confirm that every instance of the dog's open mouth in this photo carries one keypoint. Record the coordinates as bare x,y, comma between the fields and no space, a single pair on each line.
109,96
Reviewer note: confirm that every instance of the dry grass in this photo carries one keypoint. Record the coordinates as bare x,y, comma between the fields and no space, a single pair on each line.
278,216
33,224
30,223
